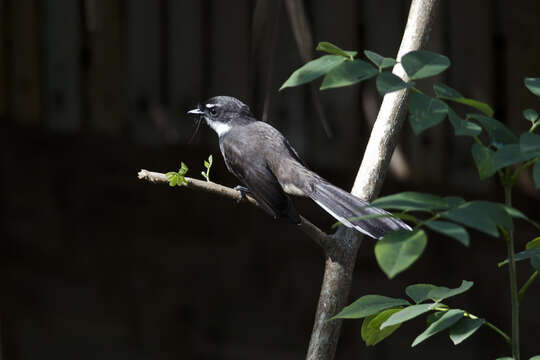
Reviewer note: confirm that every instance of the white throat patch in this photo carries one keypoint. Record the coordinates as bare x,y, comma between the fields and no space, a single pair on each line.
219,127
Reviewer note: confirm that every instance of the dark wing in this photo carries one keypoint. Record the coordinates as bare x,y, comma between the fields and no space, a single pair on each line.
261,183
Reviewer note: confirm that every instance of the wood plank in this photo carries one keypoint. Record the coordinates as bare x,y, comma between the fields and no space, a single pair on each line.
470,49
24,74
186,78
341,107
3,55
105,26
143,69
518,42
61,39
229,49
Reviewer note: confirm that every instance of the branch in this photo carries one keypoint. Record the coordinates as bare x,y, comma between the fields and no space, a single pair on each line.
325,241
340,263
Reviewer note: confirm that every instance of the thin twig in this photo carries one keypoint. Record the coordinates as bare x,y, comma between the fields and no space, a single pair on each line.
325,241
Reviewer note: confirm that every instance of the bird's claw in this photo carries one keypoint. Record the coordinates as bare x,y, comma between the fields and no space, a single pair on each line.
243,191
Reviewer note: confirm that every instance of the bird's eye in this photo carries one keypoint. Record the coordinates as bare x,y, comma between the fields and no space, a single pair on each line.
213,111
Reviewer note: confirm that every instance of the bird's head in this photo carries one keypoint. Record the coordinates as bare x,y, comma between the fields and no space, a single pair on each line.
222,112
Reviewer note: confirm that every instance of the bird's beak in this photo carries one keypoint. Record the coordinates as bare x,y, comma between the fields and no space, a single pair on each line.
196,112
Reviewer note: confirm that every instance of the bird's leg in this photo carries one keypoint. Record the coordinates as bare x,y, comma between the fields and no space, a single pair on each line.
243,191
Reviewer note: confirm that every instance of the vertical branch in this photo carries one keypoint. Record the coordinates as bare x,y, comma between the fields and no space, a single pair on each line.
341,259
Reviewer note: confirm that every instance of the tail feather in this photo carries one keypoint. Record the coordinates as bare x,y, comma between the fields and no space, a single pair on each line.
345,207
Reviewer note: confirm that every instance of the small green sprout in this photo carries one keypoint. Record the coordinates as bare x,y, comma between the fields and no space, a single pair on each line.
178,178
207,165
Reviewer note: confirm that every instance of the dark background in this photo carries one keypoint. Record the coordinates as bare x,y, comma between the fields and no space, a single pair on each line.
95,263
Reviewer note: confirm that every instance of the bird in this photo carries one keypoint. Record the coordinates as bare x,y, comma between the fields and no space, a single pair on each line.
269,169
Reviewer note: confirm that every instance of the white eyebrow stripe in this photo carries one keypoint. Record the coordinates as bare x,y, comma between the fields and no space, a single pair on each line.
209,106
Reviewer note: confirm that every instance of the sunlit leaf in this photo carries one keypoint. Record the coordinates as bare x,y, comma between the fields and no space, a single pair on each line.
448,319
419,292
334,49
371,332
380,61
312,70
440,293
348,73
463,329
422,64
408,313
398,250
533,84
388,82
530,115
368,305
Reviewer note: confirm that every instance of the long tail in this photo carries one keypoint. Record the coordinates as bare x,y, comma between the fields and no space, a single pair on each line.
345,207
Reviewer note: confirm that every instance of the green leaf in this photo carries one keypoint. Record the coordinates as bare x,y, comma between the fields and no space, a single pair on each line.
447,93
483,158
530,115
451,230
510,155
535,260
536,174
530,143
440,293
173,180
533,244
483,216
462,127
312,70
419,292
368,305
425,112
334,49
464,328
454,201
398,250
448,319
171,173
522,255
495,129
380,61
515,213
348,73
371,332
431,318
410,201
533,84
410,312
206,164
422,64
388,82
537,357
183,169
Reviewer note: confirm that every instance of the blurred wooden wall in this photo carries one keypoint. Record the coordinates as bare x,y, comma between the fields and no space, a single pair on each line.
132,68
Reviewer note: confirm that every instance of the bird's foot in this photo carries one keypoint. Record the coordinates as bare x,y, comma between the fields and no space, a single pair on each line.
243,191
